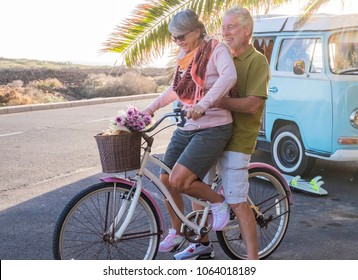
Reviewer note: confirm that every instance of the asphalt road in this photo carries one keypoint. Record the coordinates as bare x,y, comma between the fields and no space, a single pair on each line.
48,156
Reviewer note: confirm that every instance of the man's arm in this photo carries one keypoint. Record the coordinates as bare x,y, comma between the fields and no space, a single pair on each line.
249,104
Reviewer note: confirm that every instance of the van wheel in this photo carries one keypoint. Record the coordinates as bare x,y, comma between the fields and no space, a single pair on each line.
288,152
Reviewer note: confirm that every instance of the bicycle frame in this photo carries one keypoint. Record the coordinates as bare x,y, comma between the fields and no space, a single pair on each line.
136,183
137,186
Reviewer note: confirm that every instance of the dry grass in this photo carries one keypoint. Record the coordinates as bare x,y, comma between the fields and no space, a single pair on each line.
30,81
43,91
130,83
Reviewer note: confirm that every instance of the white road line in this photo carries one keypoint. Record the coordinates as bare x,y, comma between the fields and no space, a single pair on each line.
10,134
68,174
99,120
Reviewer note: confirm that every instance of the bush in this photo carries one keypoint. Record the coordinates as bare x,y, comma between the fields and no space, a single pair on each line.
160,89
130,83
16,83
47,84
13,96
135,83
162,82
43,91
38,96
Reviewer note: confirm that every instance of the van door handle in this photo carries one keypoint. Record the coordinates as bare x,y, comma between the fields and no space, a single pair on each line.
273,89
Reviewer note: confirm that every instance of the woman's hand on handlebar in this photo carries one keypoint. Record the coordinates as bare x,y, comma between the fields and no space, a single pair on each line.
195,112
148,111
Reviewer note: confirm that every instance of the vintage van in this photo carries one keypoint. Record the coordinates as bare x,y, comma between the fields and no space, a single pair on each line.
312,109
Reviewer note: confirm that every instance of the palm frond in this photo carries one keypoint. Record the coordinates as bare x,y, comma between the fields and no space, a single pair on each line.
144,35
311,8
145,32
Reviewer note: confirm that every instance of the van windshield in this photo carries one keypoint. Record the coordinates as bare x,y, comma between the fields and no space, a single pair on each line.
343,53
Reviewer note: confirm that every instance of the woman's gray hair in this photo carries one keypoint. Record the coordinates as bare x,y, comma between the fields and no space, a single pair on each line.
243,15
185,21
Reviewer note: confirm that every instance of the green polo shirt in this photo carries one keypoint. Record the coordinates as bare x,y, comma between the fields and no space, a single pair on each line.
253,74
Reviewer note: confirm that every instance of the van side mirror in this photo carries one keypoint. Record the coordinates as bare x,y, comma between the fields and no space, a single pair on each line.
299,67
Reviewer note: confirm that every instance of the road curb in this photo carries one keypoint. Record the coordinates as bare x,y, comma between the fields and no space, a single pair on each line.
69,104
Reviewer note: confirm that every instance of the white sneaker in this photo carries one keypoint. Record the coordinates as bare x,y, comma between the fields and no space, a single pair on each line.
171,242
220,213
196,251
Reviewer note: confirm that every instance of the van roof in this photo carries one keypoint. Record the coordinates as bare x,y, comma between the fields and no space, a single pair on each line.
318,22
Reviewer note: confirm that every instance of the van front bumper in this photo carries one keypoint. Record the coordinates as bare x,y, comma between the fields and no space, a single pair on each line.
344,155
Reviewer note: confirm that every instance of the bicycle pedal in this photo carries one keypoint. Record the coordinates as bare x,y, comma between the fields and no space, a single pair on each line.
178,247
232,215
207,256
175,249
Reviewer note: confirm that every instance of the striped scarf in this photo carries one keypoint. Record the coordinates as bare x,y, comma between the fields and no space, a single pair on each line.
190,86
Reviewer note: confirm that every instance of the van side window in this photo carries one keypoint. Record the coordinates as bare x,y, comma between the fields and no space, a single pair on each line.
308,50
264,46
343,52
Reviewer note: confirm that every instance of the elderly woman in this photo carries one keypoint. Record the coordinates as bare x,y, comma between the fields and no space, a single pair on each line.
205,72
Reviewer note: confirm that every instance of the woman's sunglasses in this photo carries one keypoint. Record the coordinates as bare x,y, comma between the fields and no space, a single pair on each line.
180,38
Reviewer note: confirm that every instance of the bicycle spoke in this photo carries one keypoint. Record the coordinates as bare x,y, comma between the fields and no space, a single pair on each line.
271,208
84,233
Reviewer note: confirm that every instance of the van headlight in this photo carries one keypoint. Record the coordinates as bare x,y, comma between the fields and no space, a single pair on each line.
354,118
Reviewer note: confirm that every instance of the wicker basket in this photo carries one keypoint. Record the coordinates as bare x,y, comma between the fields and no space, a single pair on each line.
119,152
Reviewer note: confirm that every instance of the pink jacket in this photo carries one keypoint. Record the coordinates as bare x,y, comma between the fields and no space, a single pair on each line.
220,78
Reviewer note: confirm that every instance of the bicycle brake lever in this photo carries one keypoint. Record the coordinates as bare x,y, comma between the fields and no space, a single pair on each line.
182,119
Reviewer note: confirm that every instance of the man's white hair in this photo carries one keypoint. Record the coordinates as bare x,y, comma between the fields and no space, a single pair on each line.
243,15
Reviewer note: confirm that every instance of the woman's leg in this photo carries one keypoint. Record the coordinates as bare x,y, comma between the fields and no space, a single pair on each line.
178,199
192,154
174,237
184,181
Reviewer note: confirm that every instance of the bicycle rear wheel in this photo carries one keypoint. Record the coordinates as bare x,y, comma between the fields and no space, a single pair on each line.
269,197
83,229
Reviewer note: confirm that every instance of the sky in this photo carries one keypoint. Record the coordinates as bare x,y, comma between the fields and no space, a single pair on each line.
71,30
61,30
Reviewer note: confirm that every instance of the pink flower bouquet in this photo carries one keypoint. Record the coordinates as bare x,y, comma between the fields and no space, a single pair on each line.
129,121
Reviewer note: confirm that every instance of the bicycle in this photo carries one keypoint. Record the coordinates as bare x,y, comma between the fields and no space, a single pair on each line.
119,219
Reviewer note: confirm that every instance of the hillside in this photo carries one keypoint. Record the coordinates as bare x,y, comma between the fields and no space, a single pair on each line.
25,81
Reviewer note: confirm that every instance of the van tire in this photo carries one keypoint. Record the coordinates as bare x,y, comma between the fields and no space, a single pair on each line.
288,152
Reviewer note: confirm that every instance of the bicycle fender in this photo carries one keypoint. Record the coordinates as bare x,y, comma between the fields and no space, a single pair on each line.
144,192
118,180
279,175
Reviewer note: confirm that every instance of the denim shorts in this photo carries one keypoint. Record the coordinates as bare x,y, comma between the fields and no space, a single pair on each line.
197,150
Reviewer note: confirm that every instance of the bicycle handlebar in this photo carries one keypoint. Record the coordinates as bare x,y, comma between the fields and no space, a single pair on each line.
177,113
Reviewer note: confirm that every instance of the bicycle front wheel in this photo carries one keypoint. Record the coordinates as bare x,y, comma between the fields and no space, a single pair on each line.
86,227
269,198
